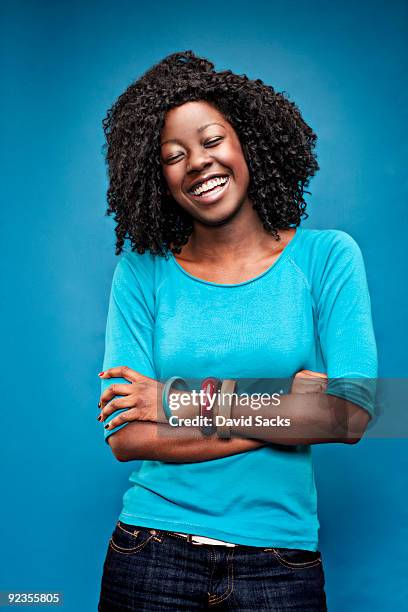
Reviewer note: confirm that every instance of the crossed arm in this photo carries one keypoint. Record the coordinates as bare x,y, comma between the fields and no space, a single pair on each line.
346,337
160,442
315,418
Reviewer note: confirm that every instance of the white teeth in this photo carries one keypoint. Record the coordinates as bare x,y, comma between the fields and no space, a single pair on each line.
220,180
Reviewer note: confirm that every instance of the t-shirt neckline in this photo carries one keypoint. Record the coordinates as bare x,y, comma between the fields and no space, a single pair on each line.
275,264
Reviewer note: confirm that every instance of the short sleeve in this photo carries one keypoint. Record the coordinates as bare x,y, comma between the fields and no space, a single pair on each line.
129,326
345,323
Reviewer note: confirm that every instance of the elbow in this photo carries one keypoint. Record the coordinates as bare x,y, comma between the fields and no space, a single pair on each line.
356,434
133,442
120,455
358,426
354,439
357,420
117,449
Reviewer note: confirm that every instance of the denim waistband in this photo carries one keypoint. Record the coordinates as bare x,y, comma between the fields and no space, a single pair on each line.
196,539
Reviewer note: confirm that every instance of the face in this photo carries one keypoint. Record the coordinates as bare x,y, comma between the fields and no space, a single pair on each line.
203,162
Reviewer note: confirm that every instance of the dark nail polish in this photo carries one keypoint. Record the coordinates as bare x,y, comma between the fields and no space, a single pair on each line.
107,425
99,418
99,405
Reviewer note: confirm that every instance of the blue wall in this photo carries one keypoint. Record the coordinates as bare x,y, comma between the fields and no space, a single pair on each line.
342,62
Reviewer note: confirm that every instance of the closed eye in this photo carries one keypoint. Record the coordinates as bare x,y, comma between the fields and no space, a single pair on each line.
213,142
210,143
175,158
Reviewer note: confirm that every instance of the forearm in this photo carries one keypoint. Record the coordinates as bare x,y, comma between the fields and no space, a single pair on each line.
314,418
301,418
291,419
160,442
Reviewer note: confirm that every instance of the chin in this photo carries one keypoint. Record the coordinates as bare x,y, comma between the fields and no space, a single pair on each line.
216,217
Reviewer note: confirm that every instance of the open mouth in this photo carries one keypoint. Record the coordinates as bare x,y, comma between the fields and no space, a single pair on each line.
210,190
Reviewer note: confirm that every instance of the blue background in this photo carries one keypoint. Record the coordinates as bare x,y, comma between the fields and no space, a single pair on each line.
344,64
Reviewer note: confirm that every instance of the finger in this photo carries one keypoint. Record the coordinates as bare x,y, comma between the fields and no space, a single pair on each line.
310,374
121,372
117,404
304,384
303,374
112,391
124,417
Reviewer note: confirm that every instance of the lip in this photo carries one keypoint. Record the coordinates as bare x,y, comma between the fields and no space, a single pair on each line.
212,196
205,178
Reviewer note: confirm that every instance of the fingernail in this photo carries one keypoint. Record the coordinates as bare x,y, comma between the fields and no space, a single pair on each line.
107,425
99,417
99,404
101,373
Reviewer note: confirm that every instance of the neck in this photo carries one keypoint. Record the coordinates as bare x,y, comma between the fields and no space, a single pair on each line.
238,238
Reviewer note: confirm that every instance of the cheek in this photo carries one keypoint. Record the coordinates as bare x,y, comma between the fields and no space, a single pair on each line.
172,176
241,169
234,158
244,168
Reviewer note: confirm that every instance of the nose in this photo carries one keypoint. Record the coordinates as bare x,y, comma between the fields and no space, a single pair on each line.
197,161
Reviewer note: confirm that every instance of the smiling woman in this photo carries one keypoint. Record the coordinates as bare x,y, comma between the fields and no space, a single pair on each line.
205,164
207,175
149,142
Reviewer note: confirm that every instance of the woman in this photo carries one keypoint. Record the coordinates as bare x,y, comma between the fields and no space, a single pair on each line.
207,175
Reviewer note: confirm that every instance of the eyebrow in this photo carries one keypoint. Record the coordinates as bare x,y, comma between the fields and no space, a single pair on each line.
200,129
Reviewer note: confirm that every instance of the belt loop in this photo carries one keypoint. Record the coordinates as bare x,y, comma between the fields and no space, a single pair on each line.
157,534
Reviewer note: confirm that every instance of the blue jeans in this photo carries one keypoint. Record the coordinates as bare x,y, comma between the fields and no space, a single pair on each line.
150,570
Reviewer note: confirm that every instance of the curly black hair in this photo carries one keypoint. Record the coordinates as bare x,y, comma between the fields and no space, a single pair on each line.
277,144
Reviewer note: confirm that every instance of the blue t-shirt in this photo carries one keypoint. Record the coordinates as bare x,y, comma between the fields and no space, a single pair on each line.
310,310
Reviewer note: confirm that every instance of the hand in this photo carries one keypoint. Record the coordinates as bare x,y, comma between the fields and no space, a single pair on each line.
142,398
307,381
